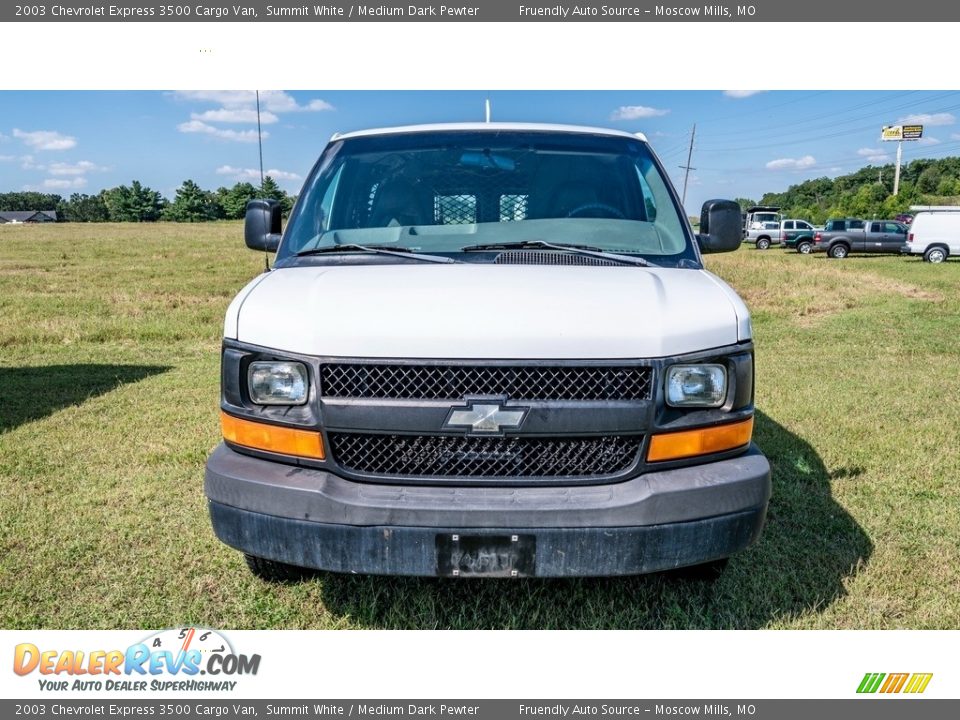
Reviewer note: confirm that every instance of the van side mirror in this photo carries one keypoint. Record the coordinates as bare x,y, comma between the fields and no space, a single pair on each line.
261,225
721,227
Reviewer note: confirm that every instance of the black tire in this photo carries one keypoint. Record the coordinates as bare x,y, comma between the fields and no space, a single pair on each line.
705,572
276,572
838,251
935,255
763,243
805,247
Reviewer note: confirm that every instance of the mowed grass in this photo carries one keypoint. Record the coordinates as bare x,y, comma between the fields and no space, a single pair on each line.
109,358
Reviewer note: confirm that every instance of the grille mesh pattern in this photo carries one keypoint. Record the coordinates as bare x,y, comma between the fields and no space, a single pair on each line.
513,207
494,457
453,382
455,209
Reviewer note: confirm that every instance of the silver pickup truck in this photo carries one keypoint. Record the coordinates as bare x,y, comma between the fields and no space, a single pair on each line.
839,238
761,226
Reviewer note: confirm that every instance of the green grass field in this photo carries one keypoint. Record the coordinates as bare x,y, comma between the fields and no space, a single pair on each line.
109,356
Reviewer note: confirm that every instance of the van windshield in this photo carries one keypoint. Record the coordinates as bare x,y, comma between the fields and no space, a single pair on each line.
438,192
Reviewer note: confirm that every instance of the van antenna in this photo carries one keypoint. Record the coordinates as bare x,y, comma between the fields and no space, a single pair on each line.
487,104
266,253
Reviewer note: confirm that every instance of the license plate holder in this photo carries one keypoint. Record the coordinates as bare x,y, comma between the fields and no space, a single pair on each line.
460,555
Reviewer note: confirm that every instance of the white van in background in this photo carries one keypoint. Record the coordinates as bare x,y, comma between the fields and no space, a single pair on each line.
935,234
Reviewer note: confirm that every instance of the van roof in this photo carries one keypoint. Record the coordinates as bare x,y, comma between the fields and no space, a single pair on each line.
489,127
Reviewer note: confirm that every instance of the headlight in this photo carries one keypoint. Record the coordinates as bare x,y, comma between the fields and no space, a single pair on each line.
277,383
696,385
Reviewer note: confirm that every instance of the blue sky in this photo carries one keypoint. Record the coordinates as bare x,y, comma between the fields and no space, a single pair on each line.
747,142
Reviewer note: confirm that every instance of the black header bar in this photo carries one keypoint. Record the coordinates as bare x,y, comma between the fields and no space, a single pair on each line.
483,11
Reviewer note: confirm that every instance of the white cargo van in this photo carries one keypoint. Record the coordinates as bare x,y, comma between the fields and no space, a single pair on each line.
487,350
935,234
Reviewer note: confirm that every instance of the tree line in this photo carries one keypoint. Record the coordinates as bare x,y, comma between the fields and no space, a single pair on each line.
138,203
868,192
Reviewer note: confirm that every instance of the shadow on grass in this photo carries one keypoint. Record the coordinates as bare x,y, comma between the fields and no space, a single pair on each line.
31,393
809,546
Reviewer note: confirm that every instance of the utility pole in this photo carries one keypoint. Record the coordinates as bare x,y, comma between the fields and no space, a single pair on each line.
896,177
687,168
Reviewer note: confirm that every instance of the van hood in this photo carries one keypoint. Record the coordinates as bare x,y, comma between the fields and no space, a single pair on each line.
484,311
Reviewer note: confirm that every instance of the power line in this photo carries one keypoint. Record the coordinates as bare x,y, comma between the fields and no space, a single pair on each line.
687,168
708,147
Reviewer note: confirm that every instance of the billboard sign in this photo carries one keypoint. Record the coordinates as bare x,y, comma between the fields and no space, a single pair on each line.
901,132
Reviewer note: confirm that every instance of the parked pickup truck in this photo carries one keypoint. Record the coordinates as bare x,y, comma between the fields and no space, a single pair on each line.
487,350
839,238
761,226
797,235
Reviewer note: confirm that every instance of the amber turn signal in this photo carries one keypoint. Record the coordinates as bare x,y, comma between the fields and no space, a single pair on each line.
272,438
702,441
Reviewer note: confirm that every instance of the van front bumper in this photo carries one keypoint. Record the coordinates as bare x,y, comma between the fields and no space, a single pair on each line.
657,521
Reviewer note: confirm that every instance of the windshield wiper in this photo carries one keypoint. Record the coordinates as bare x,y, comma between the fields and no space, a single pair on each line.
570,247
378,249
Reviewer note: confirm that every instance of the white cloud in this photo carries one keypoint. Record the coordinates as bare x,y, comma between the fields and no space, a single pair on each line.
738,94
873,155
235,115
927,119
27,162
276,101
78,168
63,184
792,163
636,112
928,141
196,126
45,139
240,107
254,174
7,158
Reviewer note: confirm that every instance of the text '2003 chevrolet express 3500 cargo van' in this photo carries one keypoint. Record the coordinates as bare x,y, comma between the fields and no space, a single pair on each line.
487,350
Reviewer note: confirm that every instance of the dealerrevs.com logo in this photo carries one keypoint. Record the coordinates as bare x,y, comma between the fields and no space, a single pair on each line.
181,659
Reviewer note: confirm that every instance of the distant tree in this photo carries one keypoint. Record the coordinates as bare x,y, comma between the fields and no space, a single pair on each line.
234,200
136,203
29,200
948,186
745,203
929,179
272,191
84,208
192,204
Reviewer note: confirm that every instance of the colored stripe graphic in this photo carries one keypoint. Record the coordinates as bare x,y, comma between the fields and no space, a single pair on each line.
918,683
870,683
894,683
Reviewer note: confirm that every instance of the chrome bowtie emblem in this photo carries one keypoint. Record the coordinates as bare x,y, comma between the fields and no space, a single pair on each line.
485,417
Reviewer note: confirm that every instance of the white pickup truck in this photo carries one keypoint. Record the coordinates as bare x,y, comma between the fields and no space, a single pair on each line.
487,350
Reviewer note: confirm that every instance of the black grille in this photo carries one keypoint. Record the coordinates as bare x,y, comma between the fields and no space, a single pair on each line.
541,257
453,382
487,457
